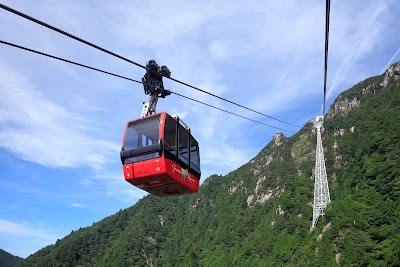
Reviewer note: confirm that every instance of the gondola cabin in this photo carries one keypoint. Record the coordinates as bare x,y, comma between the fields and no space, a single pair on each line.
160,156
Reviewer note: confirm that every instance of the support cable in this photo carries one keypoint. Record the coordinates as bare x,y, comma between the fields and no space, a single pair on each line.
321,187
133,80
68,34
231,102
328,8
132,62
68,61
232,113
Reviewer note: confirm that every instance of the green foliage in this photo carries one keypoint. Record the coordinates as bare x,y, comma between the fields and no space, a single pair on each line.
8,260
260,214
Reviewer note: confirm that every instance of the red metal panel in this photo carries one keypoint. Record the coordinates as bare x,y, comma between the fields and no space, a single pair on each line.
148,168
161,177
182,176
128,171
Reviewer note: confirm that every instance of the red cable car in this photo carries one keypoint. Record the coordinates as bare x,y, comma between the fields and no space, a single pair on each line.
160,156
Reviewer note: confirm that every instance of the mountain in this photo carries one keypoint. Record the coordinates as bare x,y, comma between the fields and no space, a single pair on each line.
8,260
261,213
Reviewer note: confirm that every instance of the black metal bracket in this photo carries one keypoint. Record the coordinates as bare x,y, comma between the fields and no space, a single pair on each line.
152,80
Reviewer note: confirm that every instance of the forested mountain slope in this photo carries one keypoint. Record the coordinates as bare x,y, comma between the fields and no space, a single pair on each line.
8,260
260,214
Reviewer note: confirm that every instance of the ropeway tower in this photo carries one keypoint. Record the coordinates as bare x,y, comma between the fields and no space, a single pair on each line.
321,188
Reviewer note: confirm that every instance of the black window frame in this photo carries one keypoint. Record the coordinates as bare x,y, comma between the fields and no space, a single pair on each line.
175,154
142,152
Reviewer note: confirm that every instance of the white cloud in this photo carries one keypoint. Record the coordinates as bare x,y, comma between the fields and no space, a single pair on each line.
20,229
155,24
23,239
390,61
39,130
96,161
76,205
127,194
117,188
85,182
354,41
219,49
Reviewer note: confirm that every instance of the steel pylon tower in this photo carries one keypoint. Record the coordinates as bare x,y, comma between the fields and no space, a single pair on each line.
321,188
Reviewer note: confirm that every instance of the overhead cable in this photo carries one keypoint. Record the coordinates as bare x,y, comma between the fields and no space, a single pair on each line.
328,8
68,34
232,113
66,60
231,102
131,61
133,80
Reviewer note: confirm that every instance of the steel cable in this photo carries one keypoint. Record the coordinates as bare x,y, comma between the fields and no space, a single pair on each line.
131,61
133,80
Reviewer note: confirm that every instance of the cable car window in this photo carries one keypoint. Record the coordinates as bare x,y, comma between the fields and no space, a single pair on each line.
183,145
131,138
194,155
141,135
170,134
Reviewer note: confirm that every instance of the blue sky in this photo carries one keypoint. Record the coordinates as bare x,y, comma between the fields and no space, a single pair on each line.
61,125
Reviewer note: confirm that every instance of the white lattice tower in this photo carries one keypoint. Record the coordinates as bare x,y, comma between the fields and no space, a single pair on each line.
321,188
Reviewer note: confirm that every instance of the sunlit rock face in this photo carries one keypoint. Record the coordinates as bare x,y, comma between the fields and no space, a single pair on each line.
391,74
343,107
278,139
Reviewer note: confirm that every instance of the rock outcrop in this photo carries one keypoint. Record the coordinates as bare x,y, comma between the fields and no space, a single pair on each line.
278,139
342,107
391,74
